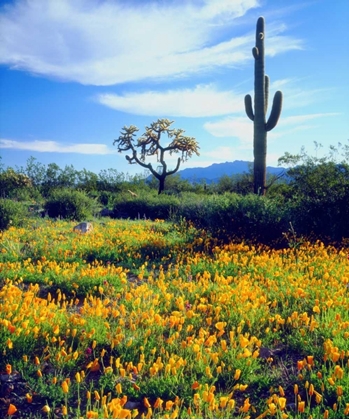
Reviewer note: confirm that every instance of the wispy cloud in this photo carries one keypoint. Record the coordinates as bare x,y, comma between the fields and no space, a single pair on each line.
239,127
300,119
297,93
53,146
242,127
104,43
204,100
201,101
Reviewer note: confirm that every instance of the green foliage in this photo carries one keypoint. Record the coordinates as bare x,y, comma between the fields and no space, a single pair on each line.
69,204
319,189
12,213
313,197
104,197
240,184
145,205
248,217
11,182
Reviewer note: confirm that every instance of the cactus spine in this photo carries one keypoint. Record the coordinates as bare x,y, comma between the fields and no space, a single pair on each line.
260,125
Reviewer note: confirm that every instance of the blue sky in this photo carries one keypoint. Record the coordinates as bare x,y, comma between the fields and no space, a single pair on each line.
74,72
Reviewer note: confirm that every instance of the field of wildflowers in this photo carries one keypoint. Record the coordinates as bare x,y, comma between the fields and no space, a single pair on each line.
143,319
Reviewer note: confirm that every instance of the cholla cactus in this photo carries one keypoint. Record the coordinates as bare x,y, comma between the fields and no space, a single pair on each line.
261,125
149,145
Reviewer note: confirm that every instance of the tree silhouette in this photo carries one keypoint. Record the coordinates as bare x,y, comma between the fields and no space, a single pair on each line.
149,145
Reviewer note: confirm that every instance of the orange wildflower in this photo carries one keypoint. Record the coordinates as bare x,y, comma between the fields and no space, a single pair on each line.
11,410
146,402
195,385
65,387
282,403
301,406
237,374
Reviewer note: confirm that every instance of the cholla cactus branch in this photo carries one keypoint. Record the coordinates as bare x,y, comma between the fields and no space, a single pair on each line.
149,145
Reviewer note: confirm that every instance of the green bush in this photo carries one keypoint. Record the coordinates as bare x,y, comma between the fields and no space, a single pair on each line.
69,204
318,193
326,219
232,216
12,213
147,205
104,197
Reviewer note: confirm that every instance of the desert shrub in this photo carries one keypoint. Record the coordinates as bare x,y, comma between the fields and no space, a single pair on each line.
69,204
326,219
238,183
104,197
232,216
261,219
147,205
11,181
319,193
12,213
193,208
244,217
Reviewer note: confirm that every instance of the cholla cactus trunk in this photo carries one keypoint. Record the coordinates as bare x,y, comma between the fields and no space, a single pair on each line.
261,126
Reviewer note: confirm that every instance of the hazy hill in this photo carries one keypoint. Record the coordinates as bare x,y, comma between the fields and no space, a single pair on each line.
215,171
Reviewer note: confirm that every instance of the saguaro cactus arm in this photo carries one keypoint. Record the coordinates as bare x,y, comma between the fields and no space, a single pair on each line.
255,53
248,107
266,93
275,111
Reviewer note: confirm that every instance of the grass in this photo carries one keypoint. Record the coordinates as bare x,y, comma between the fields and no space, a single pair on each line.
153,320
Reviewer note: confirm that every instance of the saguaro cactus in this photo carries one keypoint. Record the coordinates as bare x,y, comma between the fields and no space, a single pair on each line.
261,126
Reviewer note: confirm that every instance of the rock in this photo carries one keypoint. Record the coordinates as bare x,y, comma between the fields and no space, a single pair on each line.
84,227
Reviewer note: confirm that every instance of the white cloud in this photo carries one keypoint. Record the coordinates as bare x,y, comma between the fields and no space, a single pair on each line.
108,42
300,119
201,101
53,146
297,94
242,127
296,123
224,9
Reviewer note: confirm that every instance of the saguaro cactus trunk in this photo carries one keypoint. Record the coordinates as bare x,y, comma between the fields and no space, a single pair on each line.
260,125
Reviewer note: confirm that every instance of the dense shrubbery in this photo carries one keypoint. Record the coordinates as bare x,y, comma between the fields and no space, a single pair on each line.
250,217
12,213
69,204
229,215
13,183
318,193
145,205
313,196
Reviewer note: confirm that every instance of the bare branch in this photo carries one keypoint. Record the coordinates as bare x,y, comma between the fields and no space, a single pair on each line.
275,178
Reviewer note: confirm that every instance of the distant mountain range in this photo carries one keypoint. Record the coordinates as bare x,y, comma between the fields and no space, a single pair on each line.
215,171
